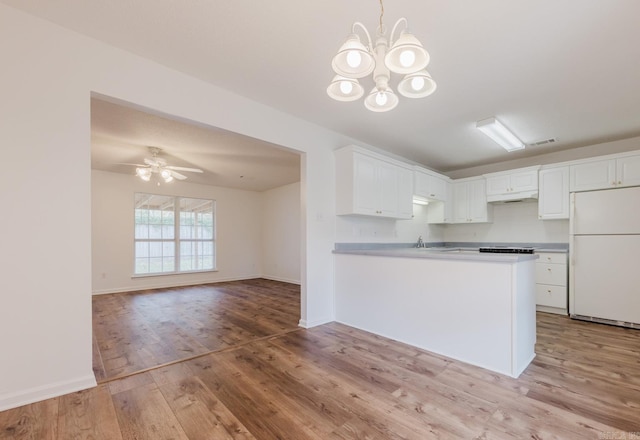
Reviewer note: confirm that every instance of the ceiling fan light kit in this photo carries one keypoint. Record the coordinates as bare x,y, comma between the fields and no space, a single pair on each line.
404,56
144,173
157,165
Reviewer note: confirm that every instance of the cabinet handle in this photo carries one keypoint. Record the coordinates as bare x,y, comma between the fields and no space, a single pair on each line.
549,291
549,269
619,182
549,258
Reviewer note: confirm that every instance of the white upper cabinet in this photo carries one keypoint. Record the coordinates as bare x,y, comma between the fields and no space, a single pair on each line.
504,185
470,201
607,173
430,185
368,183
405,193
628,171
593,175
553,201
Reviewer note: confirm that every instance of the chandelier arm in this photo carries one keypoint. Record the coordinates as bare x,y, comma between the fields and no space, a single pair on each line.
366,32
395,26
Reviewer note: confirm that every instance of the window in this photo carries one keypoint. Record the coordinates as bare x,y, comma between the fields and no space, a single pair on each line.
173,234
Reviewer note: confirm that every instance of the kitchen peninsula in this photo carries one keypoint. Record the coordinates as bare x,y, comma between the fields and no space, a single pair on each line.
474,307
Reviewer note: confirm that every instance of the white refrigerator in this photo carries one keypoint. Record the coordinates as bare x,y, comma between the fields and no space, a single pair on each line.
604,255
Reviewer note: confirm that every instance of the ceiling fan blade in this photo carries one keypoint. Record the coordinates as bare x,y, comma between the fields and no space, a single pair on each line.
132,164
178,175
191,170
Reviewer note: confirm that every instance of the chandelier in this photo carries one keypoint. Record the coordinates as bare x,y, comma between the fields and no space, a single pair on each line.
404,56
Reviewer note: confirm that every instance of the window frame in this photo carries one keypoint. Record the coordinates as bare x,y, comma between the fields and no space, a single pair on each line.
176,241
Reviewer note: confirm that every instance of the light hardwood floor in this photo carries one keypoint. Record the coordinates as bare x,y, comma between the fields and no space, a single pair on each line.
136,331
336,382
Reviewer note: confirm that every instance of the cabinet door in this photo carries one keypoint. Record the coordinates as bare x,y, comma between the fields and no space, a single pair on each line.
366,189
421,184
477,195
593,175
498,185
553,202
405,193
551,296
438,188
388,185
460,203
525,181
628,171
552,258
430,187
553,274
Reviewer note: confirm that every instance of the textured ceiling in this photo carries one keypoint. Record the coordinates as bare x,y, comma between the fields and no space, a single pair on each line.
548,68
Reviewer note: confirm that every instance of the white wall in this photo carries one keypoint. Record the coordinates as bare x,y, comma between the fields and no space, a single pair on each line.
238,232
512,223
48,77
280,218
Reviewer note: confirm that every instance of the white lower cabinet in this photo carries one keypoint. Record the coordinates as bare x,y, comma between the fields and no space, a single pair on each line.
551,282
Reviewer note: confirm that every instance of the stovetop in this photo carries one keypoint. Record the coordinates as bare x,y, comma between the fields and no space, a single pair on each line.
507,250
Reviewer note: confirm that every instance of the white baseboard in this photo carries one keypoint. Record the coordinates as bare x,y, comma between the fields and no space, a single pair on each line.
283,280
171,285
314,323
36,394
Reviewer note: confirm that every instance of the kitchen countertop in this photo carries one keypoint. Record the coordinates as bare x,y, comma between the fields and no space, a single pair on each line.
441,253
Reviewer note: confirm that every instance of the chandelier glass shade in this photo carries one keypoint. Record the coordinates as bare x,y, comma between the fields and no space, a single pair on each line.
404,56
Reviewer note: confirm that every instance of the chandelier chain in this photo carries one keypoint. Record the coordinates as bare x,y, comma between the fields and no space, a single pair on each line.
381,15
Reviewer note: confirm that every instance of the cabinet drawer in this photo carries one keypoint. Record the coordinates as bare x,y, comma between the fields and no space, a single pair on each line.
551,296
555,274
552,257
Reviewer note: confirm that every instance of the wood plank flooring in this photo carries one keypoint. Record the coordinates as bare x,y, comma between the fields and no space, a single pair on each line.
140,330
336,382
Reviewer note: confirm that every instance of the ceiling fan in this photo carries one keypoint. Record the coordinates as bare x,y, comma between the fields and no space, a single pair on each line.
157,165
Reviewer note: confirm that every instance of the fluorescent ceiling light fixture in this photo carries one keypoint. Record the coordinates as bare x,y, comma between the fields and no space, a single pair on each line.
403,56
420,201
500,134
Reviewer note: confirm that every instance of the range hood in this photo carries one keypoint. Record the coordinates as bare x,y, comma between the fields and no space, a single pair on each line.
523,196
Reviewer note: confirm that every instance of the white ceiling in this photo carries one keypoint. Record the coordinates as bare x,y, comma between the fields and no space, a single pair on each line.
546,68
121,135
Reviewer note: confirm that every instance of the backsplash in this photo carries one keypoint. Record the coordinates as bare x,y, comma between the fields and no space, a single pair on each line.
512,223
353,229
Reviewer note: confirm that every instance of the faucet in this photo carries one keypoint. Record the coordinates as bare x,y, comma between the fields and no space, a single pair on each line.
420,243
